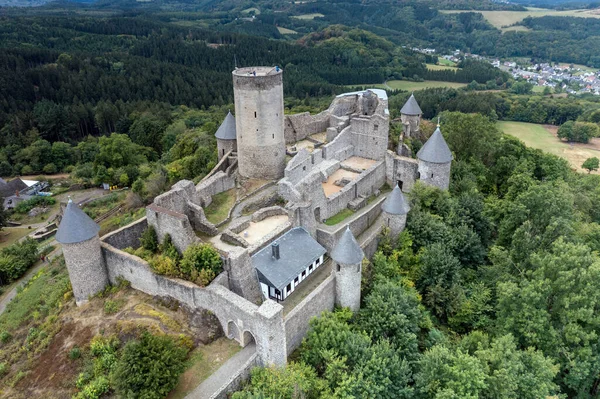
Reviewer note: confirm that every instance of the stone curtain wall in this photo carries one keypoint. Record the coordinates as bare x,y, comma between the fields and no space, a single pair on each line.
264,323
330,236
173,223
366,184
341,147
217,183
302,164
319,300
128,236
370,136
300,126
401,168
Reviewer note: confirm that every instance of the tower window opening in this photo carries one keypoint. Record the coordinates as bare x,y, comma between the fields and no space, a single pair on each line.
432,175
376,127
255,114
339,268
273,135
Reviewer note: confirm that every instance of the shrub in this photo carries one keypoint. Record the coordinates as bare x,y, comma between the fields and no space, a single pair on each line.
168,248
162,264
74,353
111,307
4,368
201,256
27,205
5,337
50,169
149,368
101,345
95,389
149,239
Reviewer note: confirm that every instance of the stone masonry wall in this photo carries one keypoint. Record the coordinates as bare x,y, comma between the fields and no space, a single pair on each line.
265,323
302,164
234,383
370,136
435,174
128,236
86,268
402,169
173,223
217,183
300,126
319,300
329,238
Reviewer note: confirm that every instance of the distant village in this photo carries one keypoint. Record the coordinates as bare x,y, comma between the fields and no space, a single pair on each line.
563,78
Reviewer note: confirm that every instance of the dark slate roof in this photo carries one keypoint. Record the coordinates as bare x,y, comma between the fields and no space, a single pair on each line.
411,107
297,250
10,188
347,250
227,129
75,226
435,150
395,203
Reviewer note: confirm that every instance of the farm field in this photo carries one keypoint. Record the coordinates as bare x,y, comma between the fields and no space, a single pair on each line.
544,138
505,18
286,31
445,62
433,67
413,86
308,16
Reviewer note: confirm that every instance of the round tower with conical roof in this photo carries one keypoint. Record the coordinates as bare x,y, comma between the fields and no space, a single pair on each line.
348,257
258,96
434,160
410,114
394,211
226,137
78,234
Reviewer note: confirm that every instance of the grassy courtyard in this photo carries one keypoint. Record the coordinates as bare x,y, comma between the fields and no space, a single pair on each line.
540,137
10,235
218,210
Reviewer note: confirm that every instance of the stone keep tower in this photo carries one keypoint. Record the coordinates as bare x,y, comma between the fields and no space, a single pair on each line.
410,114
226,136
394,212
258,94
348,257
78,234
434,160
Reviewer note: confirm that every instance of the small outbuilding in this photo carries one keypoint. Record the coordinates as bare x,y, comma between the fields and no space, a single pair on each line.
284,264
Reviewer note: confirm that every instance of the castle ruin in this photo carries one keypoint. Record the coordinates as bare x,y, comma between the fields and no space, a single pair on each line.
295,172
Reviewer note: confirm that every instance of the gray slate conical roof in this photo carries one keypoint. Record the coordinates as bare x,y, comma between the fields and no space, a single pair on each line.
75,226
411,107
227,129
435,150
347,251
395,203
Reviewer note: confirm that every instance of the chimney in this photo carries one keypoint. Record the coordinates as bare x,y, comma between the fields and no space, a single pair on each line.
275,250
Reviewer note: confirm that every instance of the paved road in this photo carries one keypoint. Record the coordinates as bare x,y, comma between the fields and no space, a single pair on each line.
220,377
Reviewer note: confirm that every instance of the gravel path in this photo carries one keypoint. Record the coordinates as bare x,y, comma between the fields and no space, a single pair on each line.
220,377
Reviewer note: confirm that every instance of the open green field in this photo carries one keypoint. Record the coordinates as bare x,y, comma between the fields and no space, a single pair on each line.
251,9
445,62
540,137
286,31
505,18
433,67
309,16
414,86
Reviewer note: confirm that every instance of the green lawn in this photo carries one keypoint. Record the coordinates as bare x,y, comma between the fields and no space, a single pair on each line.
537,136
338,217
445,62
218,210
10,235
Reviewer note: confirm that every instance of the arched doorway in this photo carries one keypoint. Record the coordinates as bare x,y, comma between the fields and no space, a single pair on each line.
233,331
247,338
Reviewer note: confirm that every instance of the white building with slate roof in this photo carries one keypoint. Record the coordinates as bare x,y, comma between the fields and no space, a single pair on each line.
284,264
